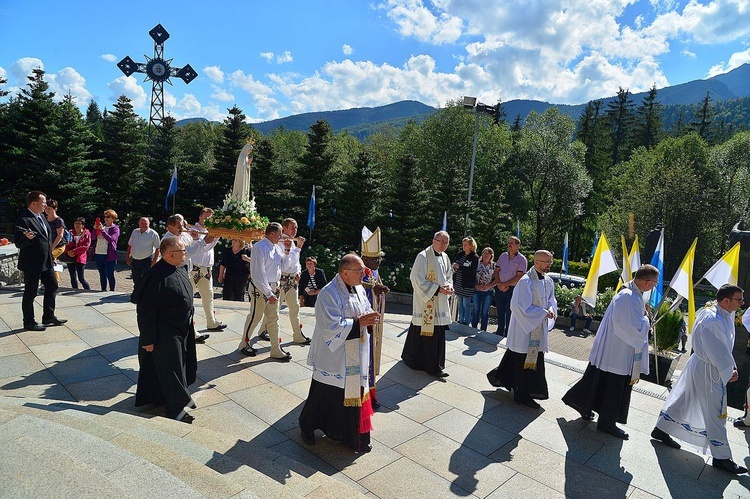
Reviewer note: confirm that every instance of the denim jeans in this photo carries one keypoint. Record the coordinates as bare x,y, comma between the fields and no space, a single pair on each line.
482,301
502,304
106,271
574,318
464,309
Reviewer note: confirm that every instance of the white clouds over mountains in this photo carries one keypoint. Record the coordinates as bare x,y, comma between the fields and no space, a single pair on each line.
561,52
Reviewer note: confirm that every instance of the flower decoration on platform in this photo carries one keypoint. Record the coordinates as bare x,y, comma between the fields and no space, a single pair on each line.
237,215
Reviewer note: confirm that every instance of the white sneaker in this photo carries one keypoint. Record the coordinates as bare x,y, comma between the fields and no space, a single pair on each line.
572,328
587,331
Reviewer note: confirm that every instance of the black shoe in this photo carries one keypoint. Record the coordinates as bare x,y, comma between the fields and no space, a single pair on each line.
54,322
286,358
613,430
34,327
187,418
308,438
202,338
740,424
441,374
729,466
220,327
249,351
663,437
587,417
375,405
264,336
530,403
306,341
364,450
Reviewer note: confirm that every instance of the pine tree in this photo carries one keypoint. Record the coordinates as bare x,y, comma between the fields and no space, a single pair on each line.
234,135
649,128
621,117
317,161
159,167
703,119
122,150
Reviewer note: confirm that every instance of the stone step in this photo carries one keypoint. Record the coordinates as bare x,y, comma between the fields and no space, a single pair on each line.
213,463
66,462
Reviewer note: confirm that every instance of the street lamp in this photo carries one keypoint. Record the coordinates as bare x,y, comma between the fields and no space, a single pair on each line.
478,107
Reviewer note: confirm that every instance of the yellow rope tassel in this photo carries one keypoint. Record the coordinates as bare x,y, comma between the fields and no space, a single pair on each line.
530,365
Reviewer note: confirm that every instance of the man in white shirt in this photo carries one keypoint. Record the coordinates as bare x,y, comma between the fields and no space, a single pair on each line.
618,357
265,272
193,246
201,274
143,249
289,280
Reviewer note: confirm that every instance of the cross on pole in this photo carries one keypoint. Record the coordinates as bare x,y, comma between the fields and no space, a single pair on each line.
158,70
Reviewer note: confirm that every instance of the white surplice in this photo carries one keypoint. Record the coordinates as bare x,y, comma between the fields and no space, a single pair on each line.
694,408
335,311
525,316
425,289
622,333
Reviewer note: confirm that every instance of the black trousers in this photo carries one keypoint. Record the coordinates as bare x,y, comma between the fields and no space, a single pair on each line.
138,268
30,288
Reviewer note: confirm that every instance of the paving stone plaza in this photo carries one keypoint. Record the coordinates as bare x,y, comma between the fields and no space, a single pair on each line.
68,427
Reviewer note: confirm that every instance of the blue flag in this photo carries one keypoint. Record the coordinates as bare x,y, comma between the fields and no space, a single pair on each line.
311,211
565,255
518,227
172,189
658,261
445,221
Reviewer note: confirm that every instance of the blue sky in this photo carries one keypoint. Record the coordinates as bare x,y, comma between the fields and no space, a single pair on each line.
274,59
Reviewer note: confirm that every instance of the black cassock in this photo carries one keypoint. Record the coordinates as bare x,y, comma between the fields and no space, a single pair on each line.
164,299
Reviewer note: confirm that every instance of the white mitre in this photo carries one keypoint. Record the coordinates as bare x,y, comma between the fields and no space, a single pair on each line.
371,243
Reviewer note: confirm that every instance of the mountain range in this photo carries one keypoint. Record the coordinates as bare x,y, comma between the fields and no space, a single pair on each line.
362,121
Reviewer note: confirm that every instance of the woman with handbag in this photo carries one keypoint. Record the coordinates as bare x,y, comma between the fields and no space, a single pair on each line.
77,253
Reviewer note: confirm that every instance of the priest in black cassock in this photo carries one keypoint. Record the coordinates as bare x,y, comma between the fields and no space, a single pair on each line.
166,348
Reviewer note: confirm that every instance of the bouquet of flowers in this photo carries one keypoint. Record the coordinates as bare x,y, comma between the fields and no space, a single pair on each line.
237,219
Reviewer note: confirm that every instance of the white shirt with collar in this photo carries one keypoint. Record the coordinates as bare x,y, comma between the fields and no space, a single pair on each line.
290,261
206,257
265,265
143,244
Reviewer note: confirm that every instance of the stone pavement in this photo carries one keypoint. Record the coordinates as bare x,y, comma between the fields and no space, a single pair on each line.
69,429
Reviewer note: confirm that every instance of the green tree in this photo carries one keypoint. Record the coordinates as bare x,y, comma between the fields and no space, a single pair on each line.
621,116
550,167
317,161
122,178
649,126
704,119
234,134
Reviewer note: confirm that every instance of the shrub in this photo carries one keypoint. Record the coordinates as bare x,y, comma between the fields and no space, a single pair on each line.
668,328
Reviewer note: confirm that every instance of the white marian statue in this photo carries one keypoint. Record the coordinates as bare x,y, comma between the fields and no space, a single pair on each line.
241,188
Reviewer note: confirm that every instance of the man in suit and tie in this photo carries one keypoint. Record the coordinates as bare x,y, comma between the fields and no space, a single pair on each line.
34,237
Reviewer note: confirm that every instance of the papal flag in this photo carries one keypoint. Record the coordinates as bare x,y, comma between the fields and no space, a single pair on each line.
626,271
603,263
682,282
726,270
635,256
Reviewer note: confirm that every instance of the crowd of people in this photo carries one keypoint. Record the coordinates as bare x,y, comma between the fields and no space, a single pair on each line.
346,343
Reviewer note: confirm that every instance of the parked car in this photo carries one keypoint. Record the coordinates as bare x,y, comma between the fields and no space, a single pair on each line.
571,281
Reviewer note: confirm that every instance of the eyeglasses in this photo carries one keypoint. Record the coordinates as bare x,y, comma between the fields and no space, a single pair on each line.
741,300
108,216
360,270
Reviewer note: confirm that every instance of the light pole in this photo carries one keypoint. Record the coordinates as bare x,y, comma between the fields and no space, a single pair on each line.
478,107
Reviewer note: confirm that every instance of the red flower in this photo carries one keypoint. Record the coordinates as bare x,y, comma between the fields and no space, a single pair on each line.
368,272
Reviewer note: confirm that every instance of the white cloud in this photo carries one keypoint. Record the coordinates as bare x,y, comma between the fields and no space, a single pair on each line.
69,81
687,53
130,88
19,70
736,60
109,57
188,106
3,74
214,73
221,95
284,58
268,56
413,18
262,95
347,49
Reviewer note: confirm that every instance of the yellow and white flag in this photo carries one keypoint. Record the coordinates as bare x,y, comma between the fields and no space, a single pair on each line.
626,271
726,270
603,263
635,256
682,282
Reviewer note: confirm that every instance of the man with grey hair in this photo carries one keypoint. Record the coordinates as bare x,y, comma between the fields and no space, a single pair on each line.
534,310
143,249
430,277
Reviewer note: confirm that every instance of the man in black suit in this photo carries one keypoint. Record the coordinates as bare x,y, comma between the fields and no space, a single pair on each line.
34,237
